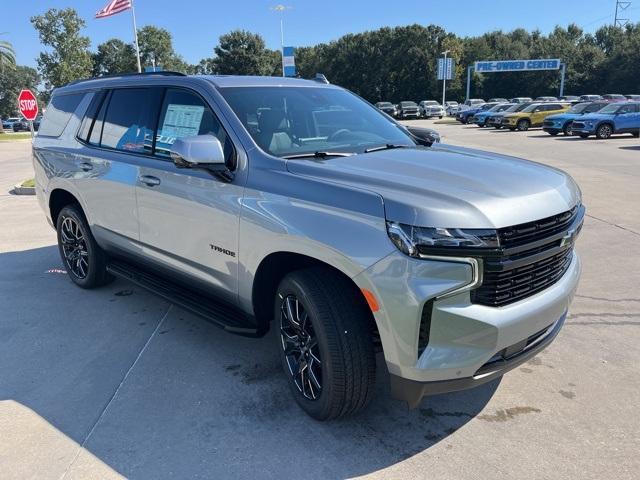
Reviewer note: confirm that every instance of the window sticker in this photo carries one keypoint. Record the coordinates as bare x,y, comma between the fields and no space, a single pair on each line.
182,120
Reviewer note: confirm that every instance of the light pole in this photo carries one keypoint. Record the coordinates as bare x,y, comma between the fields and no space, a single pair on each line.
281,8
444,76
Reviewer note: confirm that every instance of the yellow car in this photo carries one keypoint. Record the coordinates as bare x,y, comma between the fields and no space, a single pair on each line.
533,115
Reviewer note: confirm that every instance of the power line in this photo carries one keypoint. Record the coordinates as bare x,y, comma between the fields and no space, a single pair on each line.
622,8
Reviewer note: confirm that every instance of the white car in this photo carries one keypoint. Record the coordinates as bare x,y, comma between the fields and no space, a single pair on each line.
431,108
451,107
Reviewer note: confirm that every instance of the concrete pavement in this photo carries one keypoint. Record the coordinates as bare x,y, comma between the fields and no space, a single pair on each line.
116,382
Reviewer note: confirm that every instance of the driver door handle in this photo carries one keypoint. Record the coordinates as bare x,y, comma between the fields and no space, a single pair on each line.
149,180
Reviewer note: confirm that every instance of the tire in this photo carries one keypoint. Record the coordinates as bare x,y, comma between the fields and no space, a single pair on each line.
567,129
604,131
513,129
523,125
334,320
440,117
584,135
636,134
75,243
553,133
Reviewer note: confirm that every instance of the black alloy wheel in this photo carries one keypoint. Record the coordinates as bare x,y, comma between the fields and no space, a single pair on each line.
74,248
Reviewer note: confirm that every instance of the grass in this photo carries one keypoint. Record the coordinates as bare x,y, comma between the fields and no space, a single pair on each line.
9,137
31,183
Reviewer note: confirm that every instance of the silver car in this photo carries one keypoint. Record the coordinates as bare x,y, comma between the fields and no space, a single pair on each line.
262,203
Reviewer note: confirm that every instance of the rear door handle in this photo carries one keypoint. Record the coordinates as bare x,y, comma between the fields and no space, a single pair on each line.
149,180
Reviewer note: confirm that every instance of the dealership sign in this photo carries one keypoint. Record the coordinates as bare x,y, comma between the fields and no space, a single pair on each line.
517,65
288,62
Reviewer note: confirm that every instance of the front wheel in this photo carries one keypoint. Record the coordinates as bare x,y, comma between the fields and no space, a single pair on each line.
523,125
84,260
553,133
567,129
604,131
325,343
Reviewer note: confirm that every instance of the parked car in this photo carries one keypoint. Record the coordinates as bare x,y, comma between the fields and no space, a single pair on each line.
7,123
451,107
336,240
465,116
21,125
546,99
521,100
633,97
562,122
36,123
498,100
408,109
388,108
474,102
495,119
532,116
615,97
615,118
590,98
431,108
480,118
570,98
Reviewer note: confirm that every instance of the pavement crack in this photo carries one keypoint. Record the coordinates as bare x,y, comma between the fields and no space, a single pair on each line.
614,225
603,299
115,393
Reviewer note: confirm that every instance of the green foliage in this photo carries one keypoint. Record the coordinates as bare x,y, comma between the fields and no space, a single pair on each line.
7,55
156,45
114,56
69,58
12,81
243,53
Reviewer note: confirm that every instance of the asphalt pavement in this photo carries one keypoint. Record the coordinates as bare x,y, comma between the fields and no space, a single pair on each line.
116,382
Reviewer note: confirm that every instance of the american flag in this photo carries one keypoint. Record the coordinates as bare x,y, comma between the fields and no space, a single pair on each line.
113,7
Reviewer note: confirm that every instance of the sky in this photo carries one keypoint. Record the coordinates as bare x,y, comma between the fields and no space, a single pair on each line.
197,24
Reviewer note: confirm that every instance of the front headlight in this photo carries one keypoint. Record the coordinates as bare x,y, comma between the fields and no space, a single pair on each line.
414,241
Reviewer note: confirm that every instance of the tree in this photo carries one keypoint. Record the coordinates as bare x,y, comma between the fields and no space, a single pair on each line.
114,56
13,80
7,55
69,58
156,48
243,53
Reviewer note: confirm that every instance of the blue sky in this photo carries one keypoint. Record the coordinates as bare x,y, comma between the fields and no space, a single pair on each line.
197,24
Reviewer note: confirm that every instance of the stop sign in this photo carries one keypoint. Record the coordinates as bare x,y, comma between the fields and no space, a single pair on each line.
28,105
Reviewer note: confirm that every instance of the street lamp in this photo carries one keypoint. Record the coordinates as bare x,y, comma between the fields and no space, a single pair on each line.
281,8
444,76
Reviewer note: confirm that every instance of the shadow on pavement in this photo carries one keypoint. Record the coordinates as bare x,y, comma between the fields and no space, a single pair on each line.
198,402
634,147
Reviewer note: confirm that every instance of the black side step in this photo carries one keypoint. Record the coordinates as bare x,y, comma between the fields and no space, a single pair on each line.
226,317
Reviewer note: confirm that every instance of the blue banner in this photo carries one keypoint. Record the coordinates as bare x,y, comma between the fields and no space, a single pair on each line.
288,61
491,66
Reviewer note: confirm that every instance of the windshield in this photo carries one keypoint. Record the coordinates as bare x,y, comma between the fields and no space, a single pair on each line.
487,106
530,108
297,120
431,102
516,108
579,108
408,104
384,104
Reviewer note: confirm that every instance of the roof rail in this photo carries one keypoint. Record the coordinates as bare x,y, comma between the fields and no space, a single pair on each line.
166,73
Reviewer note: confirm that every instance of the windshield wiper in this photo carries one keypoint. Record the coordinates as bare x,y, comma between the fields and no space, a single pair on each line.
388,146
317,155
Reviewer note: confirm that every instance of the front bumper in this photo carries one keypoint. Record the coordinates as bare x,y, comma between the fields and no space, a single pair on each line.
463,337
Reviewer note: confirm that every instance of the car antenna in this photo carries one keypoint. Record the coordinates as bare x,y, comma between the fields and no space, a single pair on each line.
320,78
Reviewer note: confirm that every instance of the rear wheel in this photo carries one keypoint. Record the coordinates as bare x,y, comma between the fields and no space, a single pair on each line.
84,260
325,343
604,131
523,125
553,133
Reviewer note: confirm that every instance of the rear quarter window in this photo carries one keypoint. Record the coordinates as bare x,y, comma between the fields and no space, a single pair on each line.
58,114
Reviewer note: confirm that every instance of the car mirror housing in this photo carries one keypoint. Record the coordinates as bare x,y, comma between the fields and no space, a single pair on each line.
197,151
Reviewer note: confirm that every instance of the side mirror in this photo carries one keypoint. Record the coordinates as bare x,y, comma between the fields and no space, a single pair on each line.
424,136
198,151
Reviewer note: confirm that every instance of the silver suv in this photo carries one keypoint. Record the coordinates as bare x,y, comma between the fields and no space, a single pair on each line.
263,203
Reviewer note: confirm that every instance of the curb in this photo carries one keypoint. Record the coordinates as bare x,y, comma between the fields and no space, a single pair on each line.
20,190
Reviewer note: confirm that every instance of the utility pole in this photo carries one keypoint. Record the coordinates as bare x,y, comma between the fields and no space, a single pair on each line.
444,77
281,9
621,9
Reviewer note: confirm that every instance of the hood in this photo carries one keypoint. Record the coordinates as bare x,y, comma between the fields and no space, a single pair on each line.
445,186
564,116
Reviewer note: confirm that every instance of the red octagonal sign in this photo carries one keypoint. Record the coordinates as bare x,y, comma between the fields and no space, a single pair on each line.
28,105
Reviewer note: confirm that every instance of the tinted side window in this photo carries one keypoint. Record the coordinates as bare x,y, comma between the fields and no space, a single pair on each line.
185,114
90,116
58,114
627,109
129,122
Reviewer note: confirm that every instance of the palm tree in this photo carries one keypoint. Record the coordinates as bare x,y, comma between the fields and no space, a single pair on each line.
7,55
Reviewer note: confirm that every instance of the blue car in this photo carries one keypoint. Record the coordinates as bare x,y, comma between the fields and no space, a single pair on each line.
466,115
480,118
562,122
619,117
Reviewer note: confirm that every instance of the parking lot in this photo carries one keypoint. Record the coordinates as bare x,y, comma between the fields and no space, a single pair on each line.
116,382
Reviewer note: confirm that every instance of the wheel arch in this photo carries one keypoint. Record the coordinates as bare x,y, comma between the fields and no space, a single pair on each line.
58,199
274,267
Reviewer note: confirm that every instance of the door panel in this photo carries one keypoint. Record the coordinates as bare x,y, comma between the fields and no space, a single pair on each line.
189,217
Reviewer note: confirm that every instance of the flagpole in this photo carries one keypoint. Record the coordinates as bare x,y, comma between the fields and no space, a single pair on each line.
135,32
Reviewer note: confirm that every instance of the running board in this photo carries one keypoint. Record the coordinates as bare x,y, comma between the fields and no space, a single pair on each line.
226,317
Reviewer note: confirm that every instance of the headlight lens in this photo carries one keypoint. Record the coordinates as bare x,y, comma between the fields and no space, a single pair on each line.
433,240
